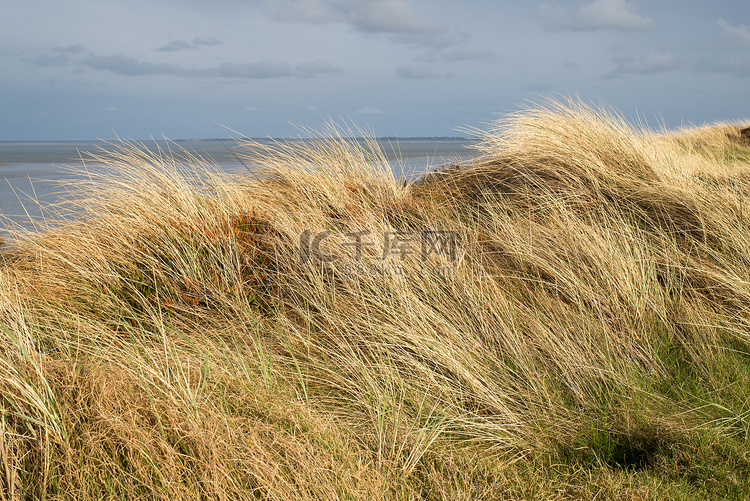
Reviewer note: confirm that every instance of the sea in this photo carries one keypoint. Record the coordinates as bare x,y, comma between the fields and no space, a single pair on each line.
35,176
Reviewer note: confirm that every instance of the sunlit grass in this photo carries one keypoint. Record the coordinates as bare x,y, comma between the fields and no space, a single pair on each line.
586,335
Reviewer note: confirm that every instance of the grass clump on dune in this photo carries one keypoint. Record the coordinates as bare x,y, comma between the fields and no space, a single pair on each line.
564,317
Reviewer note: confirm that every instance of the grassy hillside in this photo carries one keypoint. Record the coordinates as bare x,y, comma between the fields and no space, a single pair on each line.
566,317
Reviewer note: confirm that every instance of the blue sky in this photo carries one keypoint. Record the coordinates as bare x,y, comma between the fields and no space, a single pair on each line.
88,69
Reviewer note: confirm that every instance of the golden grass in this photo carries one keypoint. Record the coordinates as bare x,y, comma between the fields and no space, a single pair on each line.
588,338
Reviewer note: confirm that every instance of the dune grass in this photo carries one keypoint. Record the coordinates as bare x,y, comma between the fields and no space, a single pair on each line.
565,317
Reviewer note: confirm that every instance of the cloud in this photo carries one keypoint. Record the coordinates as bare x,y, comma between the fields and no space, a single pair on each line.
176,46
461,54
303,11
651,64
738,35
207,42
393,18
734,65
130,66
60,56
54,82
182,45
257,71
389,16
467,54
48,60
369,111
319,67
70,49
599,14
416,72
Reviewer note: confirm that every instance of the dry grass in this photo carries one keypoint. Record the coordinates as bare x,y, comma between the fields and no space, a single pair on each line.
588,338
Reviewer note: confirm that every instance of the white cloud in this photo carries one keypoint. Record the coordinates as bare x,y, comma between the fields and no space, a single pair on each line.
738,35
394,18
650,64
599,14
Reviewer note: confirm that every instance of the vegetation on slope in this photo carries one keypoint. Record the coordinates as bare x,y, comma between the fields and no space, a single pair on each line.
567,316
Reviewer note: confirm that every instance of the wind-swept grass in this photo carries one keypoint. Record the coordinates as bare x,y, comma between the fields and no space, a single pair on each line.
565,317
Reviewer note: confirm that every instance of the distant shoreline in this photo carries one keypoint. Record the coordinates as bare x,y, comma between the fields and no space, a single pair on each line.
208,140
222,151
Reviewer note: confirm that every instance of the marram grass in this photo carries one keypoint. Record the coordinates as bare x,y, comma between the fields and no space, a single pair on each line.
565,317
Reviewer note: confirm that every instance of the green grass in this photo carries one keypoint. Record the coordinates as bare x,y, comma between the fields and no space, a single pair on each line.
589,338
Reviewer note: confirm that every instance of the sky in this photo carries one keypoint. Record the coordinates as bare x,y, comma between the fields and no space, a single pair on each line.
136,69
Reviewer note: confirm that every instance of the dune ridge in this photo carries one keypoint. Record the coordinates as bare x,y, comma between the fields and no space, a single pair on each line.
564,317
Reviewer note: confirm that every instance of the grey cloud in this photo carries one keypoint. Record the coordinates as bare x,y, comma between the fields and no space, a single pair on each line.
738,35
47,60
369,111
70,49
259,70
416,72
303,11
176,46
734,65
389,16
599,14
467,54
60,56
438,39
55,82
130,66
182,45
394,18
318,67
430,57
206,42
651,64
461,54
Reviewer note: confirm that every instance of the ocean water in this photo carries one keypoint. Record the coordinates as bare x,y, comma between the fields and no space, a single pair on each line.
34,176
